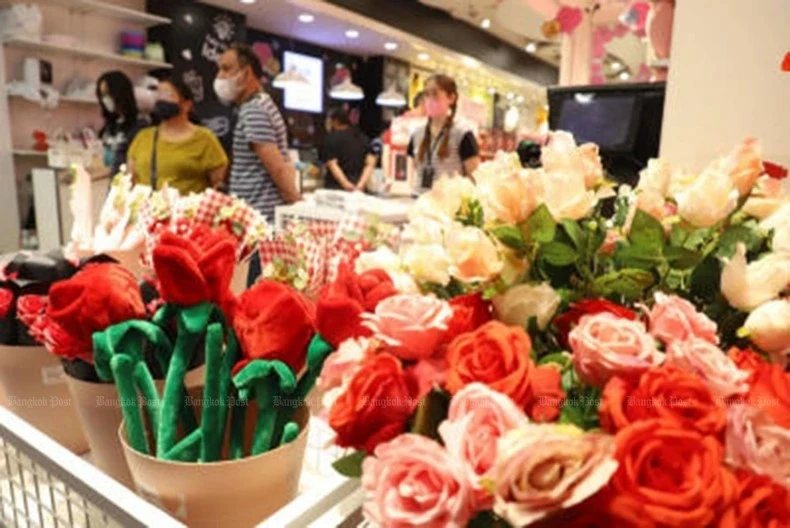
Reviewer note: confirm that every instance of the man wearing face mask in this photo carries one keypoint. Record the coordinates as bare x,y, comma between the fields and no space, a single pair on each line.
262,173
176,152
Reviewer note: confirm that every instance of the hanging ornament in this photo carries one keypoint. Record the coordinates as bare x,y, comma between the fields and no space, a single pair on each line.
569,19
550,29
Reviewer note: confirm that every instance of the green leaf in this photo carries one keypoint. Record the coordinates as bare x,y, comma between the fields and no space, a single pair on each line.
628,256
698,238
540,225
581,408
705,279
746,233
488,519
681,258
622,206
678,236
431,411
510,236
646,232
558,254
470,213
563,359
350,465
575,233
630,283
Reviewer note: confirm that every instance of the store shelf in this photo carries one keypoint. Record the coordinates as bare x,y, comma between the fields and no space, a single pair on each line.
73,51
63,100
29,153
96,7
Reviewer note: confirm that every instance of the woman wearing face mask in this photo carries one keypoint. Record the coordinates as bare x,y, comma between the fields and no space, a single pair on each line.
121,120
177,152
443,146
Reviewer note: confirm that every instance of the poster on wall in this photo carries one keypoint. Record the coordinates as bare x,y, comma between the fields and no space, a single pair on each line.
193,43
310,96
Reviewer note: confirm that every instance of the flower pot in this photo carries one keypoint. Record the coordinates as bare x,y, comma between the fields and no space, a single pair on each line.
239,282
239,493
35,388
99,409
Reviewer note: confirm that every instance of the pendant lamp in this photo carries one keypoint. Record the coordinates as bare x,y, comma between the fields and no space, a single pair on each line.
347,91
290,78
391,97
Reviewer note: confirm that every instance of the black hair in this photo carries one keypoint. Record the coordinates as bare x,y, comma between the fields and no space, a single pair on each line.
418,99
340,115
529,153
247,57
120,88
185,93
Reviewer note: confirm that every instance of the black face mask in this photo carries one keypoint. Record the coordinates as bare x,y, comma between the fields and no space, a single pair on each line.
164,110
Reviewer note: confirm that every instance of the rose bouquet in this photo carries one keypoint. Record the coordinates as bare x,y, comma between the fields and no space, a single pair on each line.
635,372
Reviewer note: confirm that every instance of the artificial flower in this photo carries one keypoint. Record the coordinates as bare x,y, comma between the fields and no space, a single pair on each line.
562,155
748,286
769,197
6,302
707,361
383,258
473,254
521,303
444,199
673,318
428,263
769,389
470,312
605,346
511,197
779,222
755,442
656,177
413,481
709,199
744,165
760,502
567,196
567,321
341,366
768,327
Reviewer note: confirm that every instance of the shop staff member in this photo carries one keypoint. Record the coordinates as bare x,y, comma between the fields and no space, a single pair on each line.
177,152
442,147
261,173
347,154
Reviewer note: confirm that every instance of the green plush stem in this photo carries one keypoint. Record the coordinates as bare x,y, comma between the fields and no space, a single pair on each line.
188,418
188,449
213,429
225,379
237,423
267,415
290,432
151,402
122,369
172,400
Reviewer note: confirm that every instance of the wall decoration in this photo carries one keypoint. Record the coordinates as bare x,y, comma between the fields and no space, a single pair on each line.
786,62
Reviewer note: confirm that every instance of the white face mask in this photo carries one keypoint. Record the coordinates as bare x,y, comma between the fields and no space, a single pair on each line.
108,103
228,90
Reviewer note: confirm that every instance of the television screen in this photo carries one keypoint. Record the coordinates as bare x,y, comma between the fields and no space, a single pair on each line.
607,120
310,97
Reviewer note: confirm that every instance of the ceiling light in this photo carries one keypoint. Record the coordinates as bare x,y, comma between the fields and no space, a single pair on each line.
616,65
531,47
510,96
289,79
247,1
486,23
347,91
469,62
391,98
352,33
492,91
423,56
624,76
520,99
391,46
306,18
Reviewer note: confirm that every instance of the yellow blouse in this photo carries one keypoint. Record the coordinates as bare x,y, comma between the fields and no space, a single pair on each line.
183,165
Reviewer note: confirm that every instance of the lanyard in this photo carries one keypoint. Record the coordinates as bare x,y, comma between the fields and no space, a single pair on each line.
153,160
434,144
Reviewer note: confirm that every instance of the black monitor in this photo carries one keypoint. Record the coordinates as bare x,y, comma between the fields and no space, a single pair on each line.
624,120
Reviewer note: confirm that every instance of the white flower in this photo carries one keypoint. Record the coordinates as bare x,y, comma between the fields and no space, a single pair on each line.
768,197
444,199
382,258
562,155
517,305
748,286
474,255
428,263
769,329
780,223
709,199
512,196
656,177
425,230
566,195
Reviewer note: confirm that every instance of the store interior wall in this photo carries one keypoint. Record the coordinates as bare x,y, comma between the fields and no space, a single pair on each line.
725,82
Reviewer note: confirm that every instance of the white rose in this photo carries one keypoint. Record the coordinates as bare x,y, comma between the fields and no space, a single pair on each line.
769,328
748,286
428,263
382,258
517,305
511,197
780,223
566,195
425,230
562,155
744,165
709,199
474,255
656,177
768,197
444,199
503,163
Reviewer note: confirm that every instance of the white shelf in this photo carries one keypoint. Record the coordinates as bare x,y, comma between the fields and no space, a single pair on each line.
96,7
54,49
29,153
62,100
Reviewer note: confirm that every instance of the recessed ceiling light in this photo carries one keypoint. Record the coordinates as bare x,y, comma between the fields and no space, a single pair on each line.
520,99
247,1
624,76
616,65
492,91
352,33
469,62
531,47
306,18
486,23
510,96
423,56
391,46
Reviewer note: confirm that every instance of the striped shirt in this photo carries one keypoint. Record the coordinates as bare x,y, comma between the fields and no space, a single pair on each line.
258,121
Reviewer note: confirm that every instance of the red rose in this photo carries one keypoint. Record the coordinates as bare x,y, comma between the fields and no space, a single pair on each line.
775,171
274,321
499,356
565,322
760,502
64,344
195,268
375,406
342,303
30,308
665,392
6,301
746,360
770,391
470,312
94,299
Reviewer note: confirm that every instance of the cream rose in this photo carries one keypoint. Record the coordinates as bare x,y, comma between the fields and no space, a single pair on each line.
719,373
562,155
444,199
656,177
769,329
709,199
518,304
744,165
567,196
675,319
748,286
543,469
425,230
478,417
473,254
511,197
779,222
755,442
605,346
515,267
428,263
768,196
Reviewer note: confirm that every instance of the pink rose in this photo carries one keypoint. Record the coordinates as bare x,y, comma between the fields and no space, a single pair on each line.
720,373
605,346
412,325
477,419
542,469
341,366
755,442
428,374
413,481
675,319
